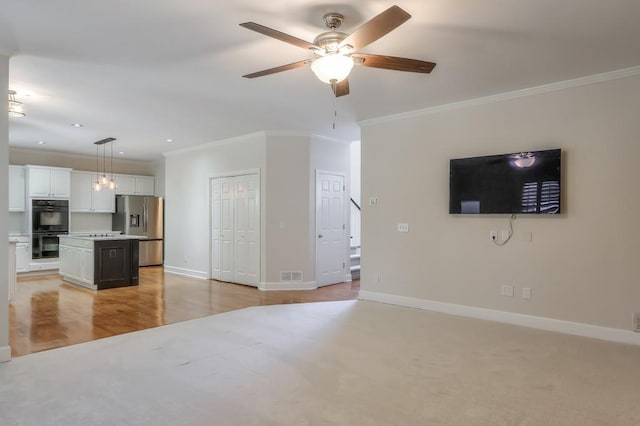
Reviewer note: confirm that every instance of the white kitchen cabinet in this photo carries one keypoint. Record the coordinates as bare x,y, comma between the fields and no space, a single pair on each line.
135,185
16,189
85,199
77,263
48,182
22,254
145,185
12,270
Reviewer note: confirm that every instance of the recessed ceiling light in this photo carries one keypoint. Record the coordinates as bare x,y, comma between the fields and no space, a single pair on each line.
169,140
77,125
121,152
41,142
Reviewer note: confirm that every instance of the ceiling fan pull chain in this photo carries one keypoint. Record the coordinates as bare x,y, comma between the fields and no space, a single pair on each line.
335,111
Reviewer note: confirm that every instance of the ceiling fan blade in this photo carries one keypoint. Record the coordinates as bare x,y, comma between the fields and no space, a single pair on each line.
393,63
281,68
376,27
340,89
278,35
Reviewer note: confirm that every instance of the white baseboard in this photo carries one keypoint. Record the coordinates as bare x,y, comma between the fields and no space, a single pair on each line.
186,272
309,285
5,353
568,327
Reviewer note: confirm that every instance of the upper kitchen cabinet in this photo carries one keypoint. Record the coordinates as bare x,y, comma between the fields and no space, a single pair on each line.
48,182
16,189
135,185
87,200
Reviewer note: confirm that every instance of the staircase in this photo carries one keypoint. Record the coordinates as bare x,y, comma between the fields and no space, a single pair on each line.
355,262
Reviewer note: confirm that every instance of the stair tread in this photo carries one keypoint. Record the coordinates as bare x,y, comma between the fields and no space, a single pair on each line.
355,256
355,268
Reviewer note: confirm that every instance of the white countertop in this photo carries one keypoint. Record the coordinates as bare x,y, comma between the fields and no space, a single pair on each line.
102,237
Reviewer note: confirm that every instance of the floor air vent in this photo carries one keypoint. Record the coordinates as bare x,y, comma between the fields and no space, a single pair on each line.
290,276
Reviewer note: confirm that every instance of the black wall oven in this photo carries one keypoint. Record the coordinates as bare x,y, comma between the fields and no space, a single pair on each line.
49,218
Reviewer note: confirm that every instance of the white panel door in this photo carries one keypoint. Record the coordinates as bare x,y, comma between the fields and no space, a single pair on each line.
235,229
216,230
331,234
253,230
227,267
247,215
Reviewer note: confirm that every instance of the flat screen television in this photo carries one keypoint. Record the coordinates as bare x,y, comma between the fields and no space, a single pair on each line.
518,183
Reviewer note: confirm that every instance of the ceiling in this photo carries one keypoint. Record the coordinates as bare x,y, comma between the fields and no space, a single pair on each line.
146,71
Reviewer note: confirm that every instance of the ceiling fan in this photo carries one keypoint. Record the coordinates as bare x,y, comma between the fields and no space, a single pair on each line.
336,52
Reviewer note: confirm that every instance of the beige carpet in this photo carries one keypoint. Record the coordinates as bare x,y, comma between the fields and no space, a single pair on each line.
351,362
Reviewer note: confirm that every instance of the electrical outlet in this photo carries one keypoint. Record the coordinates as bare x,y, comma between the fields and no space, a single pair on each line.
507,290
403,227
526,293
636,322
373,201
493,235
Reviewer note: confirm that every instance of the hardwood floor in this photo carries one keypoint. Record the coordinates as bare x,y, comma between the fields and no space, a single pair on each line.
48,313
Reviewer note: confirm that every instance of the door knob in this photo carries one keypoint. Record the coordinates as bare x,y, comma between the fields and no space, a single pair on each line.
320,236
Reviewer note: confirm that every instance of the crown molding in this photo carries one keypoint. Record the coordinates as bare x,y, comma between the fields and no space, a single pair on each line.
243,138
561,85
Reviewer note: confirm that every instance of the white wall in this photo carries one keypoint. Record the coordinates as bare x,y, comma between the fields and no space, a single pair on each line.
287,163
582,265
286,205
355,172
158,172
187,175
90,222
5,351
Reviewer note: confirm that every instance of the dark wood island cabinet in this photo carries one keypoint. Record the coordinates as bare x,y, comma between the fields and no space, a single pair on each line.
99,263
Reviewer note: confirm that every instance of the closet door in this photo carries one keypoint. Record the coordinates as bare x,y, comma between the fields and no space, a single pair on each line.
235,229
216,230
227,267
247,230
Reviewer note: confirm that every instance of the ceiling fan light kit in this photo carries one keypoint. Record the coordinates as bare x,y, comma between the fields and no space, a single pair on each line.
332,68
336,52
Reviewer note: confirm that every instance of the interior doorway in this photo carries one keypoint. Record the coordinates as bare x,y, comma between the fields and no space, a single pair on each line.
235,228
331,228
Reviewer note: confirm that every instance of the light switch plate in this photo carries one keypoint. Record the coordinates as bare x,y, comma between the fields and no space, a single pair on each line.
403,227
526,293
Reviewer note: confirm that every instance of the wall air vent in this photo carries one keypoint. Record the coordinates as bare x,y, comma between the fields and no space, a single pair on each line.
290,276
636,322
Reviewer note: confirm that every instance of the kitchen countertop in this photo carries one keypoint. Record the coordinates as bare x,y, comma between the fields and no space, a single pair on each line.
102,237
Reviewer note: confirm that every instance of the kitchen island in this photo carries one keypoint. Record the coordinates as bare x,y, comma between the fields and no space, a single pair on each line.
99,262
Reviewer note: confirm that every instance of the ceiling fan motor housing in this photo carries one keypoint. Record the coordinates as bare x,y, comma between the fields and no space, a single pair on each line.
330,41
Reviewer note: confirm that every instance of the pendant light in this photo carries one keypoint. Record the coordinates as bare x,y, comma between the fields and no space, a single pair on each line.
112,181
96,185
104,180
15,107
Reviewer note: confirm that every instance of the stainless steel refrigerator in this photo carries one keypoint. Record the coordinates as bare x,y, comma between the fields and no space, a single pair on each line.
142,216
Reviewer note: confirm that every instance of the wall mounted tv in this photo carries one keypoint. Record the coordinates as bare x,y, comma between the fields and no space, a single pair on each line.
522,182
